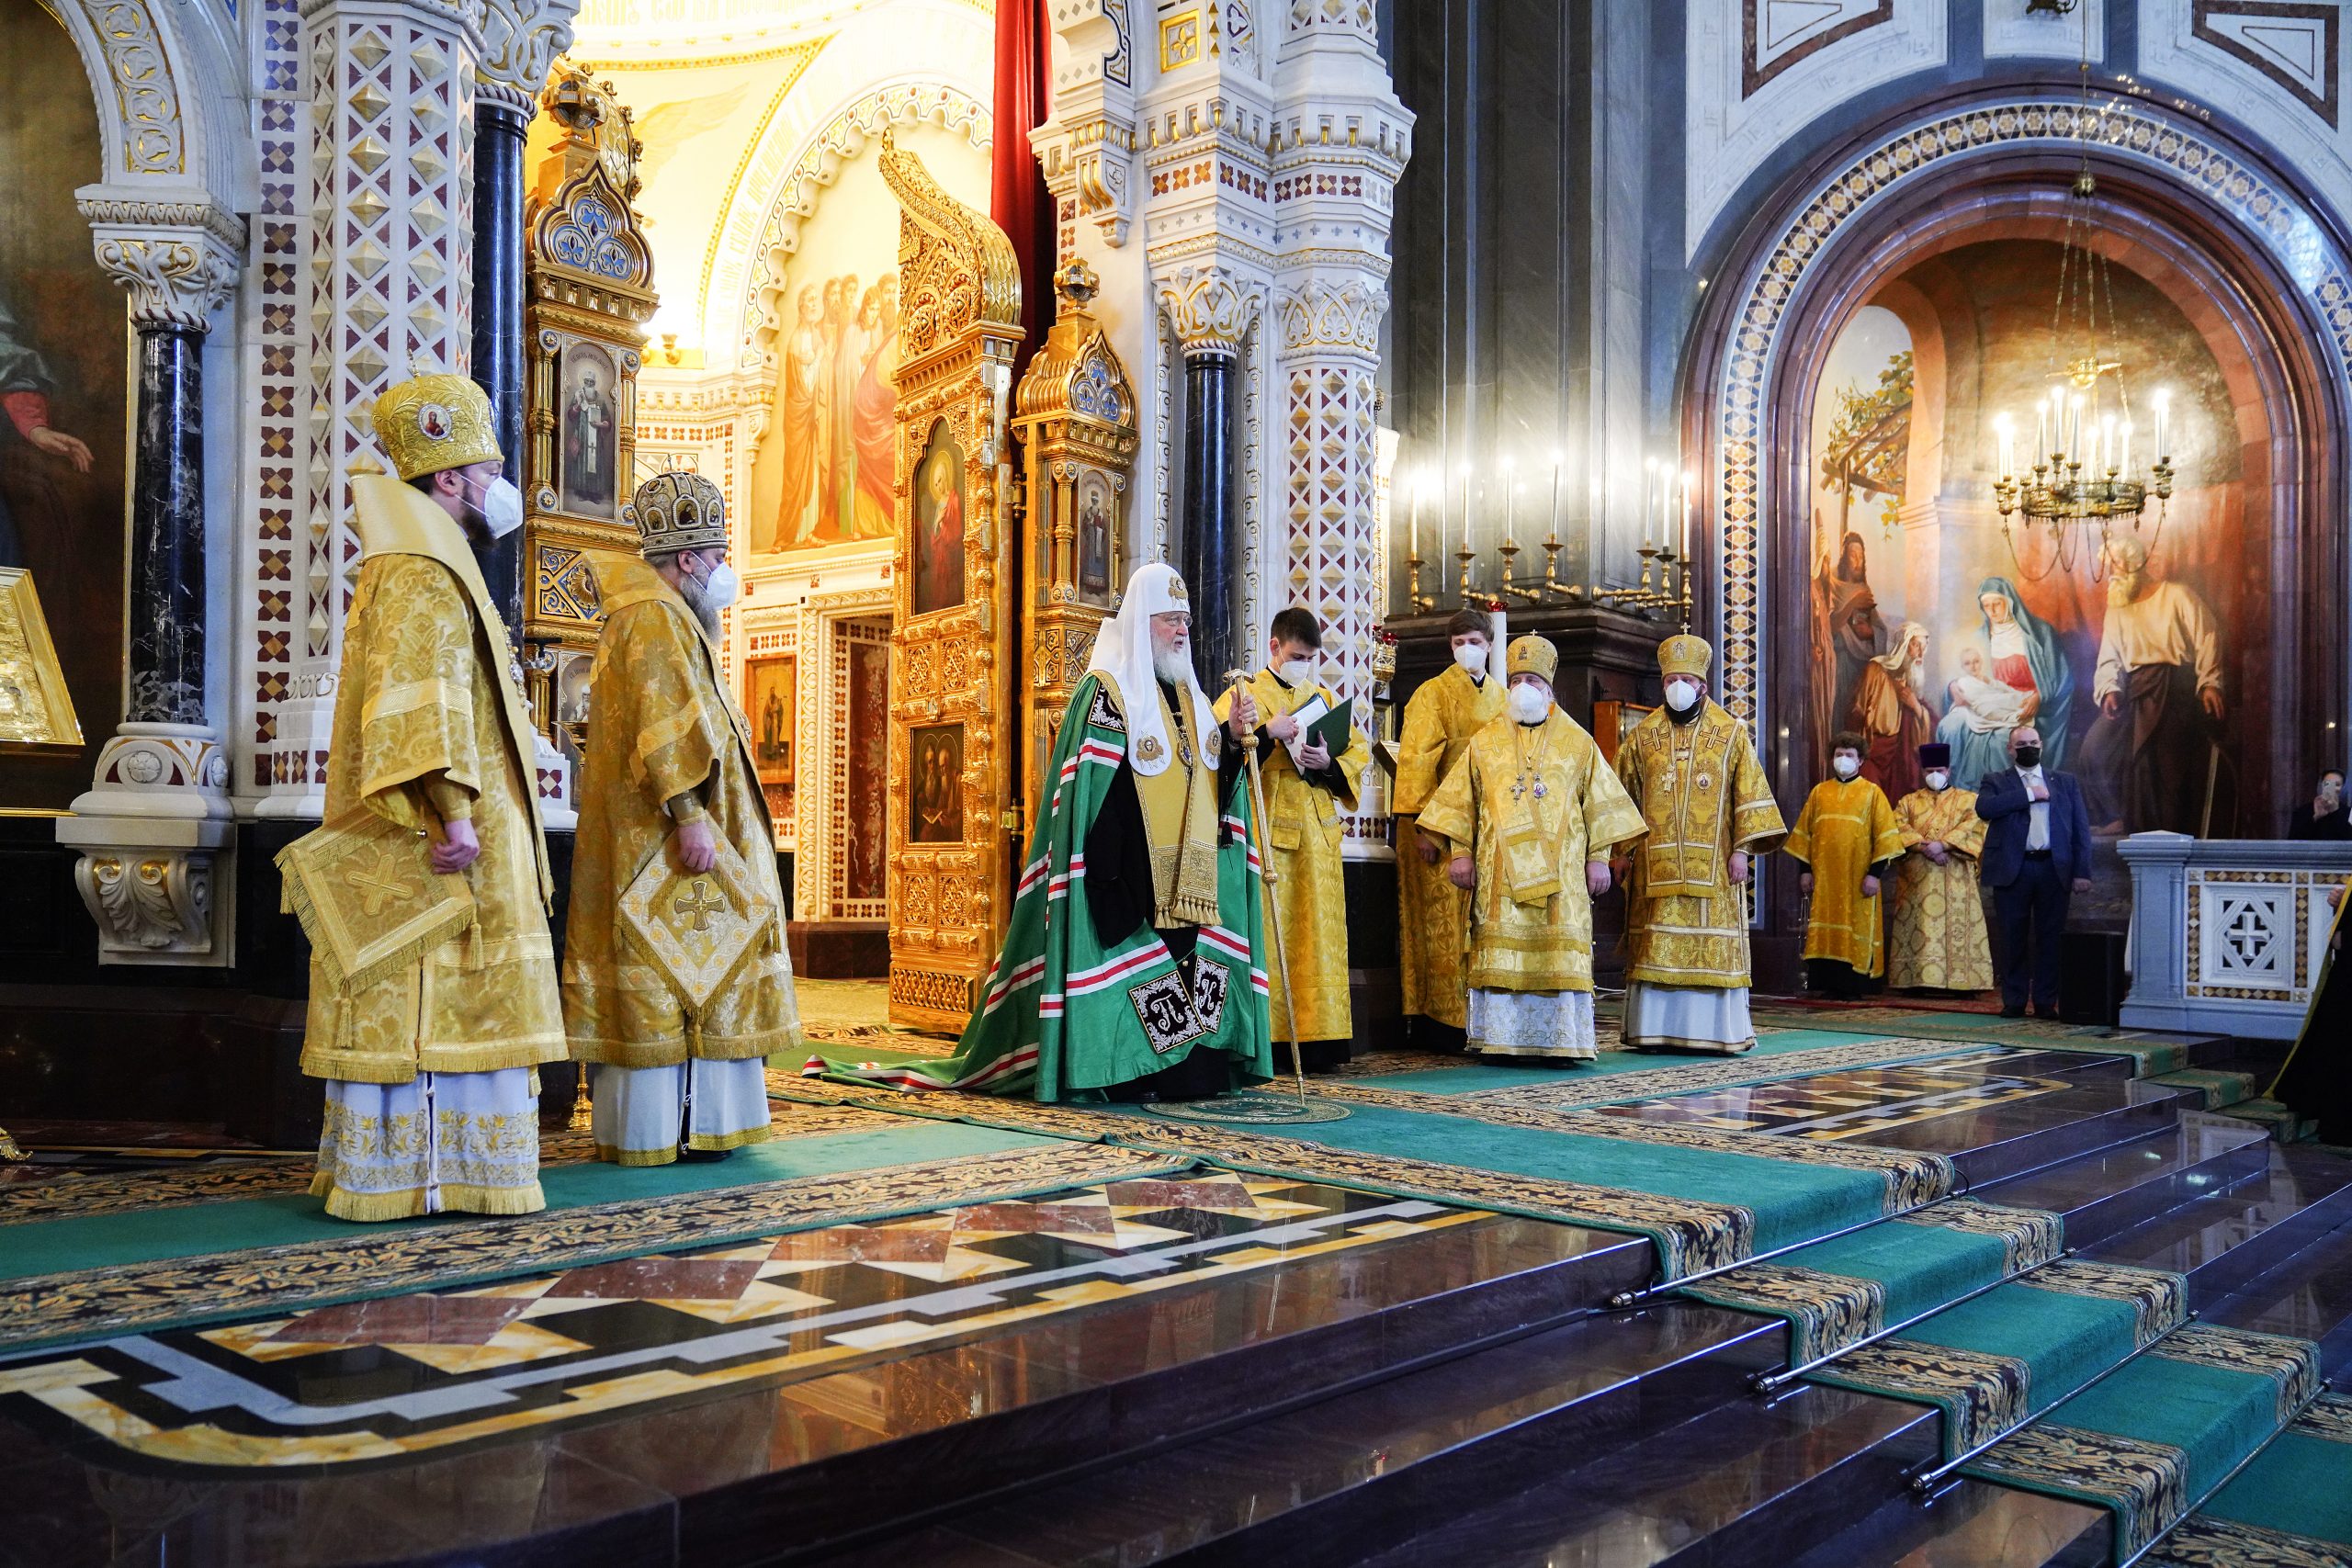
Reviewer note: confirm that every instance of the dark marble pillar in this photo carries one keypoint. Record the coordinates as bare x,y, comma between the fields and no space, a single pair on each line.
500,130
167,530
1212,516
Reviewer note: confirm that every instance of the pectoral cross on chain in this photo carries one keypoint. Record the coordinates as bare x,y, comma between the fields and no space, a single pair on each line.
700,904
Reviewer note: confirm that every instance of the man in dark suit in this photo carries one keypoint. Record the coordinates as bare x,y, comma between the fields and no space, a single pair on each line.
2036,856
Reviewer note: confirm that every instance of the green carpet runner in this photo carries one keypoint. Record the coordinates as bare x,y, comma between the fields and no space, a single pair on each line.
2152,1442
2291,1508
1996,1361
1837,1292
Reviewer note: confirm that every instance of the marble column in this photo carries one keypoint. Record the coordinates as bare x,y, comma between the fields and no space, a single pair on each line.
1213,310
1211,513
167,677
156,820
500,128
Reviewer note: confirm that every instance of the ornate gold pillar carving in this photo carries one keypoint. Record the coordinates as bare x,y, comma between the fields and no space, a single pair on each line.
1076,422
953,725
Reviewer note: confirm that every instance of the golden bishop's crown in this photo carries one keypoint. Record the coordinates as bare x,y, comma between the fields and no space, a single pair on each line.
436,421
679,511
1683,654
1533,655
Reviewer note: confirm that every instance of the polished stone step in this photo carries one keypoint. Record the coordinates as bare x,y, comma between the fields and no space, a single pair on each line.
1320,1486
2226,1238
2105,1192
1472,1441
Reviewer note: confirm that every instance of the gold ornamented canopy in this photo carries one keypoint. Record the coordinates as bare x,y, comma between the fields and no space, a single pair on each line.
956,269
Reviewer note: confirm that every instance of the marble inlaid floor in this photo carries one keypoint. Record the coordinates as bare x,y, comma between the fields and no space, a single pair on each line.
1855,1103
405,1375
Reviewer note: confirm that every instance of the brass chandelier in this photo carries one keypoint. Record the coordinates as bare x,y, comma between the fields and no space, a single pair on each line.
2085,469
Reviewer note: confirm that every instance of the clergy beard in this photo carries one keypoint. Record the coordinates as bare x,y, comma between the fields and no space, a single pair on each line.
691,592
1173,665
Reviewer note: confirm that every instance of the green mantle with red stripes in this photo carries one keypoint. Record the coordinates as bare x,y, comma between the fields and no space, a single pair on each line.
1064,1018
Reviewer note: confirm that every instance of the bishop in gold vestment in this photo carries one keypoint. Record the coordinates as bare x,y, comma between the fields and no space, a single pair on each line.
431,1070
1846,836
1304,796
1532,811
668,770
1434,915
1691,768
1939,940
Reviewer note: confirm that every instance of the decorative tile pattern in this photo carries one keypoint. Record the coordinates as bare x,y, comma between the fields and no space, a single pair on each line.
276,295
405,1375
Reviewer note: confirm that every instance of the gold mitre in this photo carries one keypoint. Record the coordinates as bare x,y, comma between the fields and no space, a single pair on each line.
680,512
1683,654
1533,655
436,421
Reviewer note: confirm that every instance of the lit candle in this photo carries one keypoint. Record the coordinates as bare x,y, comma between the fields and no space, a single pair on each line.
1649,499
2107,439
2040,435
1686,524
1413,528
2163,417
1555,513
1510,500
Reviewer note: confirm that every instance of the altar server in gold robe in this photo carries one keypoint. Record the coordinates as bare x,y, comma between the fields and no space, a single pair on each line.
1691,768
669,771
1530,813
1306,788
1940,942
1848,839
431,1069
1434,915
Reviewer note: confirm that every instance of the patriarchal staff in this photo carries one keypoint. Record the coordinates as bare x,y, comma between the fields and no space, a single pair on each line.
1135,967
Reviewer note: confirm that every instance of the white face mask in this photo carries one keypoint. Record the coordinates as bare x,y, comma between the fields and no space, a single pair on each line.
722,587
501,507
1530,702
1471,656
1847,767
1938,779
1681,695
1297,672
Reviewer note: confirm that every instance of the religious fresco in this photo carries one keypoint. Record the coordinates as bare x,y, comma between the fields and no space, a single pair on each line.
587,429
936,784
1926,622
935,555
768,702
64,390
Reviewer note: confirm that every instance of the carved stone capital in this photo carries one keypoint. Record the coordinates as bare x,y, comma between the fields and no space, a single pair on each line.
1088,159
179,259
152,906
520,40
1330,315
1210,307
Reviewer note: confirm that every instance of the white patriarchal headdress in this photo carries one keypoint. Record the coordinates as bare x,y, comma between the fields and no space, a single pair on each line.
1122,651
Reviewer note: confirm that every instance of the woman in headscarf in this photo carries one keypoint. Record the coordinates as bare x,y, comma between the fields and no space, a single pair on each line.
2027,656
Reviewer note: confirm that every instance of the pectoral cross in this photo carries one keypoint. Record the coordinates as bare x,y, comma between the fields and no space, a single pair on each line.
379,885
700,904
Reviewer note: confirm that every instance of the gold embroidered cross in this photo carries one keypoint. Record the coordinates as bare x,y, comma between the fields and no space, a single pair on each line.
379,885
699,903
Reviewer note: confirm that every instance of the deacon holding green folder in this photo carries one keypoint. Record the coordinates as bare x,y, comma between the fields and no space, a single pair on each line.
1313,758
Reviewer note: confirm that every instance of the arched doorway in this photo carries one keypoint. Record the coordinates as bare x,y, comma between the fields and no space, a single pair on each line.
1946,220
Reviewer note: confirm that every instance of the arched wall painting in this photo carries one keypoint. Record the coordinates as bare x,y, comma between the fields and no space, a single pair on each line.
64,388
1927,624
